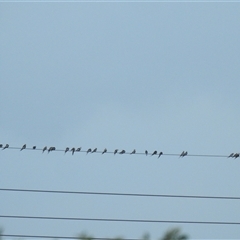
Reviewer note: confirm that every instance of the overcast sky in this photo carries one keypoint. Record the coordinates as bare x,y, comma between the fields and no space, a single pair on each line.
144,76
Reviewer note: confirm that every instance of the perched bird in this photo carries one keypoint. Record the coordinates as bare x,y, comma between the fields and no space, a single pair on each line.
23,147
161,153
34,147
44,149
133,152
154,153
78,149
1,145
115,151
236,155
185,154
104,151
231,155
95,149
73,150
66,150
6,146
146,152
122,152
182,154
51,149
89,150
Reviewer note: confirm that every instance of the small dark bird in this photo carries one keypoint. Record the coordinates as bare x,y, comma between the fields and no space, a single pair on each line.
104,151
66,150
236,155
50,149
34,147
182,154
231,155
133,152
161,153
6,146
154,153
94,150
23,147
44,149
185,154
115,151
146,152
73,150
78,149
1,145
89,150
122,152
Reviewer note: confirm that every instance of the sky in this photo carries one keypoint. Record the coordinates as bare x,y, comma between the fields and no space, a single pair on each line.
120,75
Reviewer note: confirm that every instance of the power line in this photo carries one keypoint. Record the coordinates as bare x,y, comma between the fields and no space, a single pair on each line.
60,237
119,194
121,152
118,220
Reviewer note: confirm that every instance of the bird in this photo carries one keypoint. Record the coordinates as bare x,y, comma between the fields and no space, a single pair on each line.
34,147
50,149
78,149
6,146
73,150
66,150
185,154
44,149
23,147
95,150
122,152
154,153
146,152
161,153
104,151
115,151
182,154
1,145
236,155
89,150
133,152
231,155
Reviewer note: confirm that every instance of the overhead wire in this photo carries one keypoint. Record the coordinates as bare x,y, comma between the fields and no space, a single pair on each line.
118,220
61,237
118,194
134,152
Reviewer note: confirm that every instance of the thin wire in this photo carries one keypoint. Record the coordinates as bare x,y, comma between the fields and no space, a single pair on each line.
61,237
119,194
129,153
118,220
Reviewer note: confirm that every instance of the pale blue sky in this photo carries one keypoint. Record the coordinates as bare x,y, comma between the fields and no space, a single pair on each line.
155,76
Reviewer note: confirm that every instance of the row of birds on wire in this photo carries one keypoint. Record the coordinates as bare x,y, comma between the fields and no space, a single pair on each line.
90,150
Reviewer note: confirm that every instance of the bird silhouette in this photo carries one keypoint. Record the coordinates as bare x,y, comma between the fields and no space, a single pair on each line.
89,150
66,150
104,151
6,146
154,153
231,155
133,152
161,153
122,152
78,149
73,150
34,147
182,154
236,155
44,149
146,152
185,154
23,147
95,150
1,145
115,151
